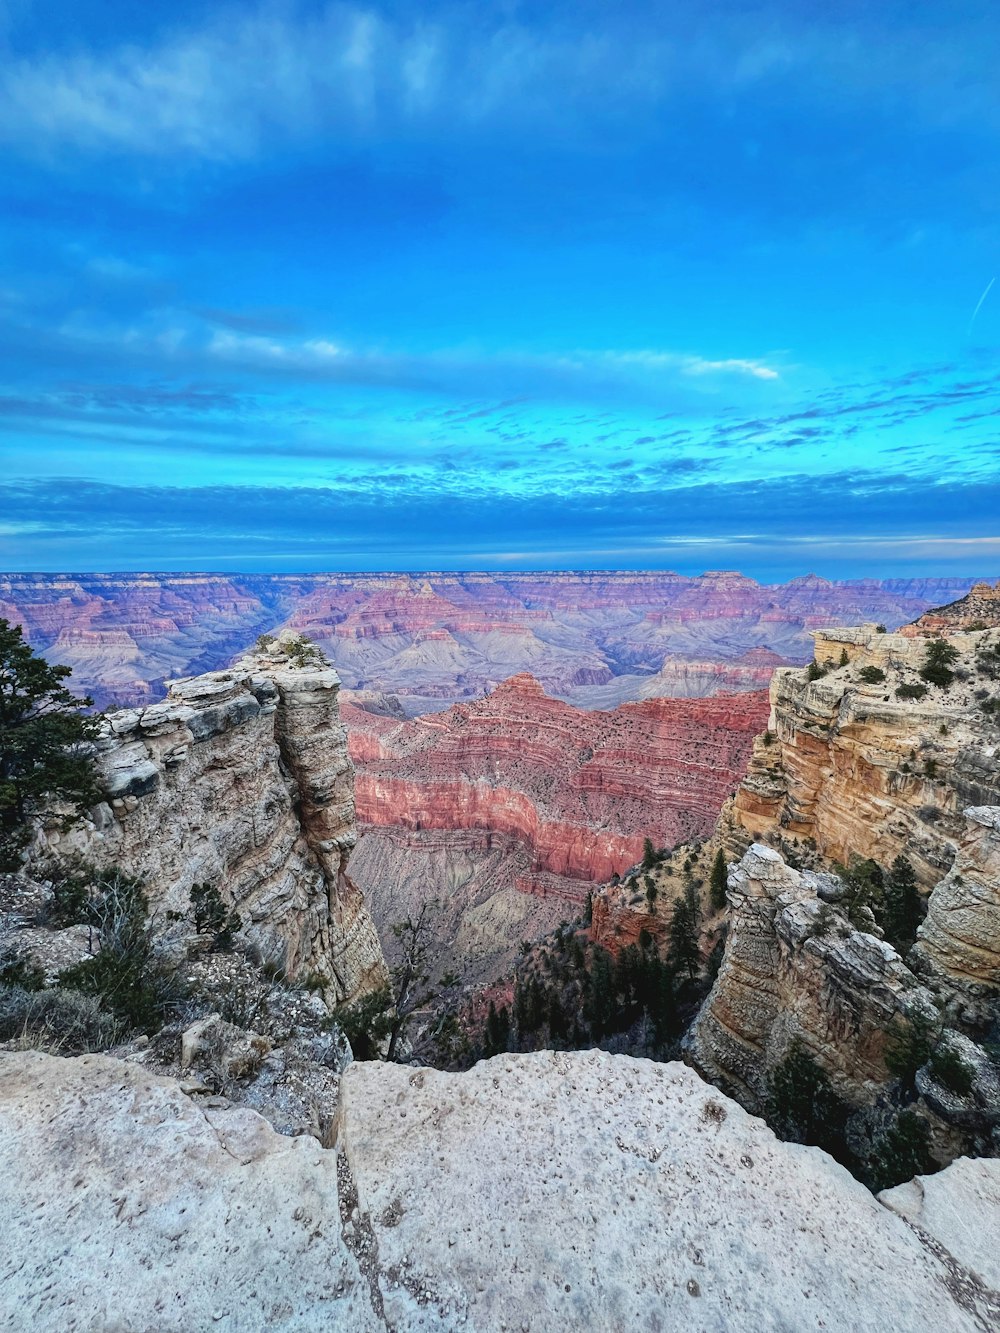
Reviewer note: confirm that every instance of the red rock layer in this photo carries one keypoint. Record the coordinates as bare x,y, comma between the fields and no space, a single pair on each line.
581,789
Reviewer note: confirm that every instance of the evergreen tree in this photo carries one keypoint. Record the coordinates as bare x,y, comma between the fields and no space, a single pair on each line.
684,954
939,659
44,759
648,854
802,1105
902,904
717,883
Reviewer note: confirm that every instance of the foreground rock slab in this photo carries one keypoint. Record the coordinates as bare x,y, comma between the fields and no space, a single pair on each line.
125,1206
540,1192
589,1191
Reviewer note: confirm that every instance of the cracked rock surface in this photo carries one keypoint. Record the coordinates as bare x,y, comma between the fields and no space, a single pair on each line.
537,1192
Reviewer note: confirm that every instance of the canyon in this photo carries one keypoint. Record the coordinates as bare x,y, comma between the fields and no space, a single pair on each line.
520,793
592,639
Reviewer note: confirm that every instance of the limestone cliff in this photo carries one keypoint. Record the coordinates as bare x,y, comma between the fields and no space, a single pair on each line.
242,778
848,766
789,976
865,757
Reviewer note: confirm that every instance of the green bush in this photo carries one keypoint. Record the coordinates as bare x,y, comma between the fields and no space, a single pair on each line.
367,1023
124,976
213,917
22,972
801,1104
814,671
901,1153
872,675
63,1022
940,657
909,691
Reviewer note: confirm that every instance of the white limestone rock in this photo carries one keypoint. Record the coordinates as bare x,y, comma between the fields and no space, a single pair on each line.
127,1207
954,1207
545,1193
588,1191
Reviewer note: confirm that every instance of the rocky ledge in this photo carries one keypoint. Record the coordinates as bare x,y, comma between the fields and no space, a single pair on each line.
538,1192
242,779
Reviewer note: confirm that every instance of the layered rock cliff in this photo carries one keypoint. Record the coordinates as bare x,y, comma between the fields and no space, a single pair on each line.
241,779
849,766
581,789
869,756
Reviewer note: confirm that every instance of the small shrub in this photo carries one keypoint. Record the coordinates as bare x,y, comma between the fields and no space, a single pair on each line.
814,671
21,972
880,629
872,675
63,1022
901,1153
367,1023
768,738
930,768
213,917
910,691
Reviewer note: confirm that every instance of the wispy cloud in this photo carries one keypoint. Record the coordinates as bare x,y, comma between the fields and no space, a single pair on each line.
241,80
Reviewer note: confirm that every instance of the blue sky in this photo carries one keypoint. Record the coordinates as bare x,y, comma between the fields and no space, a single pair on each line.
345,286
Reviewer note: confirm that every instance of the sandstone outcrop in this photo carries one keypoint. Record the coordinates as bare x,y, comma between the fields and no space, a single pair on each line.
628,1195
242,779
850,768
959,939
595,639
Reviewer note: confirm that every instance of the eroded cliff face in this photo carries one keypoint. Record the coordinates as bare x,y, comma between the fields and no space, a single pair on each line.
848,767
790,976
242,778
580,789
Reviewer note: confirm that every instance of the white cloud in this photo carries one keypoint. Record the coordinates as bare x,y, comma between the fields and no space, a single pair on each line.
248,79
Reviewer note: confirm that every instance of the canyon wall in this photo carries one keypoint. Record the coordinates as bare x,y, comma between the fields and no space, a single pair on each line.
852,768
594,639
581,789
241,778
520,793
848,767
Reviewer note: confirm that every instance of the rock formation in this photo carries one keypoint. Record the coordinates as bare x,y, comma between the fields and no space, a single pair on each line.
851,768
865,757
540,1192
959,939
788,976
242,779
581,789
594,639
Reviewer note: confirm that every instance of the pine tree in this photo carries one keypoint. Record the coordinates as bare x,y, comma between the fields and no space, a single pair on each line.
902,904
717,883
44,759
684,954
648,854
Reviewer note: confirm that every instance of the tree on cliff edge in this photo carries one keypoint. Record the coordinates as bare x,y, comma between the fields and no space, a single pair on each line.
717,883
44,759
